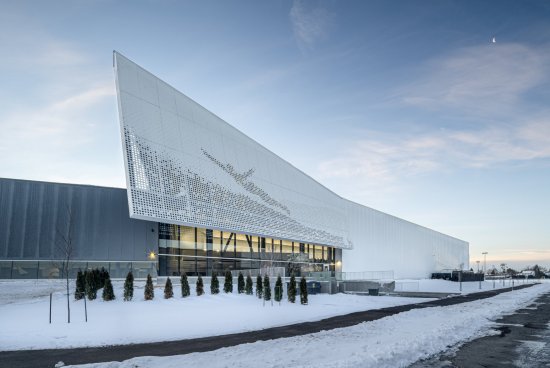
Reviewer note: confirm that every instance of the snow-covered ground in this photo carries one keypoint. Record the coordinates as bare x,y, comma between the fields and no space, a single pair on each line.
24,313
395,341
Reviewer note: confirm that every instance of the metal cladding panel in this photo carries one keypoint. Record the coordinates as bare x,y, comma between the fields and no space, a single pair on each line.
184,165
384,242
35,213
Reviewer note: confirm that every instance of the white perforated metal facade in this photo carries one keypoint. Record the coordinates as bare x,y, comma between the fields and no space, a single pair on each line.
185,165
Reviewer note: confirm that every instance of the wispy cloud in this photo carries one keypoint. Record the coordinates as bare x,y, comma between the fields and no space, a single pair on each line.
309,24
58,141
59,126
385,157
55,110
489,79
484,84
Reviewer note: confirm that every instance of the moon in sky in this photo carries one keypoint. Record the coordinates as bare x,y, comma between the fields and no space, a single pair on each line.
494,40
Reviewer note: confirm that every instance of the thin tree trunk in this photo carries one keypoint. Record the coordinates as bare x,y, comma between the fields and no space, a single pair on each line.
68,297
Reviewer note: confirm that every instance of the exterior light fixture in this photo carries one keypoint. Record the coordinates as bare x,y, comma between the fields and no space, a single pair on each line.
485,262
152,255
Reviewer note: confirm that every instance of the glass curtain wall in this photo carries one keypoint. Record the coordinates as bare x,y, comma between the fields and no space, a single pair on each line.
198,251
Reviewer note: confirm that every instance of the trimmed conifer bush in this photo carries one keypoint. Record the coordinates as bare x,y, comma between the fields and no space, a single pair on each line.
80,290
96,279
168,291
102,276
149,292
303,291
185,291
248,288
108,293
200,286
278,289
129,287
91,291
228,284
259,287
267,288
214,284
240,283
291,293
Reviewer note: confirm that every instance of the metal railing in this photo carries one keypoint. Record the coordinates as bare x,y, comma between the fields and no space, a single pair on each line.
272,272
53,269
364,276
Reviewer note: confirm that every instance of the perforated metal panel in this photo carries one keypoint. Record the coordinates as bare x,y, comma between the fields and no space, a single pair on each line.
185,165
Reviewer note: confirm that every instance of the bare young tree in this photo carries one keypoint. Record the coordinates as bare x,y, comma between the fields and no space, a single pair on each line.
65,247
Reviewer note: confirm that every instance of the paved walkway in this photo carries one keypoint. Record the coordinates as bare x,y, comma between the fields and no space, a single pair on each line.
524,341
48,358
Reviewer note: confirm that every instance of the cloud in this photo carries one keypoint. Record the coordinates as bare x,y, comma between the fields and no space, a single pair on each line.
487,80
60,138
386,157
59,108
486,85
309,24
62,123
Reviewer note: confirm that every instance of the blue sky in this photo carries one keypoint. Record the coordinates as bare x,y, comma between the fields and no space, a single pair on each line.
404,106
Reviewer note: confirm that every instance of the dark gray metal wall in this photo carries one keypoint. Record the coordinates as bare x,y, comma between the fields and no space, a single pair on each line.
33,213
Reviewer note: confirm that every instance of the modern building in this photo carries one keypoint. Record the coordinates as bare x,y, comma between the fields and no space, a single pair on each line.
204,197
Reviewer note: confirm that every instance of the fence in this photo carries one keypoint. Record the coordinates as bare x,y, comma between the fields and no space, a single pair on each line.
272,272
364,276
52,269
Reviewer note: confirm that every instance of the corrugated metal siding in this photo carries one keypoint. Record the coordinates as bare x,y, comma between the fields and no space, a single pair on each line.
33,213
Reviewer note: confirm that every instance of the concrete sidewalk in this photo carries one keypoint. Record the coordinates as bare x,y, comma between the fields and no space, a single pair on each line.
48,358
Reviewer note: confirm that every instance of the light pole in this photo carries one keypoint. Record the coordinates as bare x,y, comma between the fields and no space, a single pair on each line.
484,262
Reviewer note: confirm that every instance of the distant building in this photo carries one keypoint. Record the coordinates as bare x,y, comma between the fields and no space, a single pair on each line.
204,197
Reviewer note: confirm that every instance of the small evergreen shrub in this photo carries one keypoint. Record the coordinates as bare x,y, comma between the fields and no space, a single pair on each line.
228,284
259,287
291,293
129,287
91,291
168,291
248,288
240,283
303,291
149,292
185,291
80,290
96,279
267,288
102,277
200,286
108,293
278,289
214,284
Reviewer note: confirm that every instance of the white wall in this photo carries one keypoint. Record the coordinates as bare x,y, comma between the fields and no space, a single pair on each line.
382,242
185,165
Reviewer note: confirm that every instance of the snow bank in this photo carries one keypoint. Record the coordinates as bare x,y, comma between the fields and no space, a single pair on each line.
395,341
